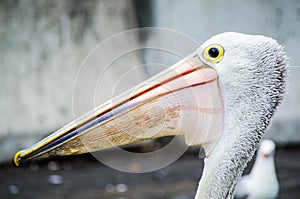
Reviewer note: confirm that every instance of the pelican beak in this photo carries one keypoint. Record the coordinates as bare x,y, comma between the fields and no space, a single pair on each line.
184,99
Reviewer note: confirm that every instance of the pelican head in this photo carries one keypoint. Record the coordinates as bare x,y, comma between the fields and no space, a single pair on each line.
222,97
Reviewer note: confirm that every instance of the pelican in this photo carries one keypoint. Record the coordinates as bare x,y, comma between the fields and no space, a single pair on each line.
221,97
262,181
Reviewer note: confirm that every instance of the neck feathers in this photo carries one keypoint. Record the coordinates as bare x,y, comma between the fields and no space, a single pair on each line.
249,107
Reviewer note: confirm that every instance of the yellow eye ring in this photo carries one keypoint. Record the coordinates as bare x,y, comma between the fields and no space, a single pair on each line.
213,53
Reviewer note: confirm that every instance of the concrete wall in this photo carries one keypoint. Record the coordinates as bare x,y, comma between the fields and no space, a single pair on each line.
201,19
42,45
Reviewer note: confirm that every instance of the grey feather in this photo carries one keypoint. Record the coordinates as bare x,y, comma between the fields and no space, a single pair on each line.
252,78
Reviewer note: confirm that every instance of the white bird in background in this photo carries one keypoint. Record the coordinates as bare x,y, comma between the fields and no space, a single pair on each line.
262,182
221,97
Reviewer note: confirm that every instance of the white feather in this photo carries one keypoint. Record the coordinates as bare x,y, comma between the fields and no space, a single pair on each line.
262,181
252,76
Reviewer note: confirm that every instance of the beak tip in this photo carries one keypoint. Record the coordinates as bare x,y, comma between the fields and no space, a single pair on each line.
17,158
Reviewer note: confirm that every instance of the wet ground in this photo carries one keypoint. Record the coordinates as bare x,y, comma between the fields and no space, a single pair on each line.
84,177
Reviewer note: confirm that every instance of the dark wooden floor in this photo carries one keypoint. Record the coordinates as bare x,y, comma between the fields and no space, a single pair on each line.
84,177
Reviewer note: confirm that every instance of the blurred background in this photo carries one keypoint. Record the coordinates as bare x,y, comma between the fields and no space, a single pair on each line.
42,45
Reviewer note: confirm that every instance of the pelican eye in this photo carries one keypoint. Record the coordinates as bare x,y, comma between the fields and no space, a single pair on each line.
214,53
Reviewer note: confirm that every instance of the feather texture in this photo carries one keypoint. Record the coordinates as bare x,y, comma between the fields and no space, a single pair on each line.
252,77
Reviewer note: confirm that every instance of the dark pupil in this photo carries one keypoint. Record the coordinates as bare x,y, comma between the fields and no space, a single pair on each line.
213,52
